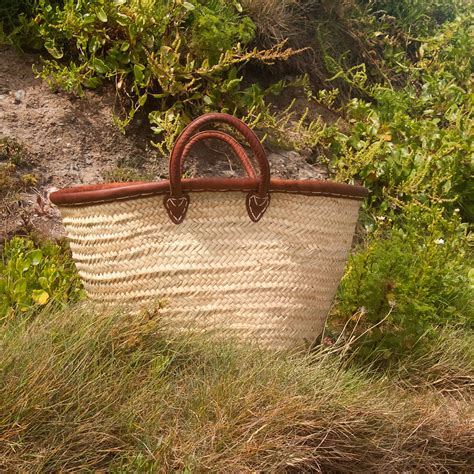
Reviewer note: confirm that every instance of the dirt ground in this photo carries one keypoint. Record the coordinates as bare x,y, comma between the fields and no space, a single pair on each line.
70,140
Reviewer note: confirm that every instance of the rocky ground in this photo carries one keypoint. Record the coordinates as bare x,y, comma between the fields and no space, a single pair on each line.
68,140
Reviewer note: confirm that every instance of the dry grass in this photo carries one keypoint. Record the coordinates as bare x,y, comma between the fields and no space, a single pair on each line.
448,367
278,20
284,20
318,29
82,390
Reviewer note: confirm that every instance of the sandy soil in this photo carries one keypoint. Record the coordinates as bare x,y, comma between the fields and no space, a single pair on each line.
70,140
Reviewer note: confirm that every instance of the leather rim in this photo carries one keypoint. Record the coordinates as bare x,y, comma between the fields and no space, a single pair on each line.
117,191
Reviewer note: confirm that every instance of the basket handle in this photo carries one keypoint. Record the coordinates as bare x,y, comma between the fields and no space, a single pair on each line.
257,201
231,141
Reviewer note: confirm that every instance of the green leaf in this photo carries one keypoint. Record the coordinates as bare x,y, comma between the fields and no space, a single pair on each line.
189,6
23,265
101,15
20,286
43,281
138,72
98,66
142,99
122,19
53,50
35,256
40,296
233,83
91,82
94,44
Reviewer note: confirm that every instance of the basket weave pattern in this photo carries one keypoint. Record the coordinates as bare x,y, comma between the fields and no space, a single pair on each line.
270,281
254,258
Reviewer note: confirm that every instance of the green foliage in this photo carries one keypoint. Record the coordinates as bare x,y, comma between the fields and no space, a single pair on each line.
11,10
415,144
180,58
32,275
412,147
411,279
420,17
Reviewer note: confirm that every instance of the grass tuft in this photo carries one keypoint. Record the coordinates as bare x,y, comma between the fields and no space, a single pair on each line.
85,390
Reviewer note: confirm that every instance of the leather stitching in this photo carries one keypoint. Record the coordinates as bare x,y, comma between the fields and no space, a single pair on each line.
174,204
261,204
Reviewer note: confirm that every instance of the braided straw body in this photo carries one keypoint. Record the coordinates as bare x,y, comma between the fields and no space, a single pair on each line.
271,282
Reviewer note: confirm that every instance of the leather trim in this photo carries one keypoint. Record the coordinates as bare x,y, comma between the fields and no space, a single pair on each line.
117,191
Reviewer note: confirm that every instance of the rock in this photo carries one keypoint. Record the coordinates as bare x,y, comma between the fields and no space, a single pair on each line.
283,164
19,96
293,165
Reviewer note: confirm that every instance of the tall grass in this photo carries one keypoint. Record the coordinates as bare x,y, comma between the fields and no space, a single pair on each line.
85,390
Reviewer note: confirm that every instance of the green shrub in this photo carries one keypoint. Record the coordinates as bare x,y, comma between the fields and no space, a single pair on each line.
412,147
420,17
180,58
10,10
415,144
410,280
32,275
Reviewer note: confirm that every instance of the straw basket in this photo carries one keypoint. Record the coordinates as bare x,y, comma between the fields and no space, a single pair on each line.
254,258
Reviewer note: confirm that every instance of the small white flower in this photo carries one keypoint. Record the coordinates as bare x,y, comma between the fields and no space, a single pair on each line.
439,241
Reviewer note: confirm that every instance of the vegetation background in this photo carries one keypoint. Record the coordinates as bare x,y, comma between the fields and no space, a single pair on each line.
390,386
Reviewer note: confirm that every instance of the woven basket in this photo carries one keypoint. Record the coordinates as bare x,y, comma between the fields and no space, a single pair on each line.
254,258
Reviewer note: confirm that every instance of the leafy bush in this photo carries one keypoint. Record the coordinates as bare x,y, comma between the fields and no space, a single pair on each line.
181,58
412,147
411,280
420,17
32,275
10,10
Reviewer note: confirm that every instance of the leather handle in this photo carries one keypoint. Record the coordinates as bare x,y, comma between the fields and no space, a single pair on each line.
194,126
177,202
231,141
